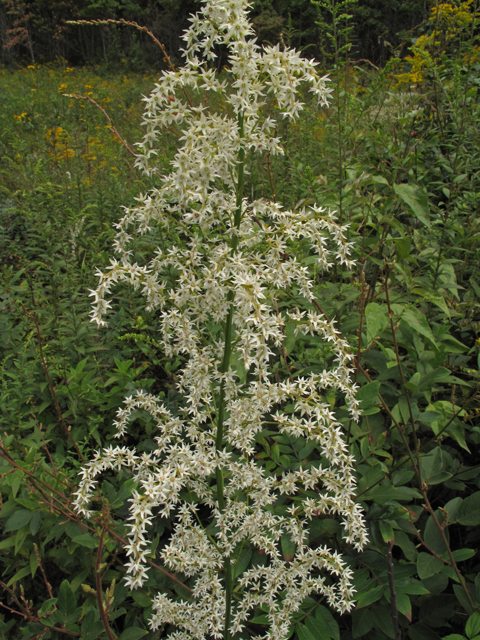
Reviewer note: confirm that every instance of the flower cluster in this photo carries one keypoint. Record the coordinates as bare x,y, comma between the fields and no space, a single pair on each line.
228,274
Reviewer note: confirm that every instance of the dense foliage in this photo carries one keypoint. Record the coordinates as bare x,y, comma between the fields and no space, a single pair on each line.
397,156
35,31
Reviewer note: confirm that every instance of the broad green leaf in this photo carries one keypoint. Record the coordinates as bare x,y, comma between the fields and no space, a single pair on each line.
428,565
26,571
420,631
368,597
462,598
322,613
47,606
457,431
460,555
433,537
376,318
67,601
86,540
472,627
452,507
442,374
35,522
7,542
368,394
416,200
384,493
469,512
379,179
403,246
386,531
454,636
418,322
362,622
290,338
242,562
141,598
304,633
94,630
434,467
383,620
404,605
134,633
18,520
411,586
318,627
406,545
288,547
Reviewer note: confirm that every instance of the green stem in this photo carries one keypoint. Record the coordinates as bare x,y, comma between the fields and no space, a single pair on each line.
225,368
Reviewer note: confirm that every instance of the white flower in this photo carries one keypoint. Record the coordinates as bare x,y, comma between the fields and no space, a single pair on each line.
233,267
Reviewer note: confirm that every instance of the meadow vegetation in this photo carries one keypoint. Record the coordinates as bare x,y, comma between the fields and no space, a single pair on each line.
397,156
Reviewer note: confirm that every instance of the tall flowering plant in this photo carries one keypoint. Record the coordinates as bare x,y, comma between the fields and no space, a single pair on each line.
236,261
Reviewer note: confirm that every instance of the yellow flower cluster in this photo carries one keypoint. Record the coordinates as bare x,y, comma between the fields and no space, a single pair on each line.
448,21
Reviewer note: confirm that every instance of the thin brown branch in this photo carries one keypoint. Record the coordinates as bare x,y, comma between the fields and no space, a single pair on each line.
135,25
78,96
393,594
103,615
39,560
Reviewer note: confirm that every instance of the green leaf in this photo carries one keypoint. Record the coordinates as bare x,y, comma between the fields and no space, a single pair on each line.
469,511
406,545
18,520
386,531
433,467
304,633
19,575
472,627
362,622
403,246
418,322
7,542
92,630
437,375
411,586
420,631
428,565
322,613
368,394
376,318
288,547
35,522
433,537
460,555
368,597
242,563
86,540
383,620
318,627
67,602
451,508
132,634
416,200
290,338
457,431
404,605
386,492
47,606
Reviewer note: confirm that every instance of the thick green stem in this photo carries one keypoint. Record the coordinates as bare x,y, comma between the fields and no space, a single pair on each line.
227,354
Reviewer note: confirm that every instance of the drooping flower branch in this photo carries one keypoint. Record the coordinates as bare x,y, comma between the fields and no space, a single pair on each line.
235,262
